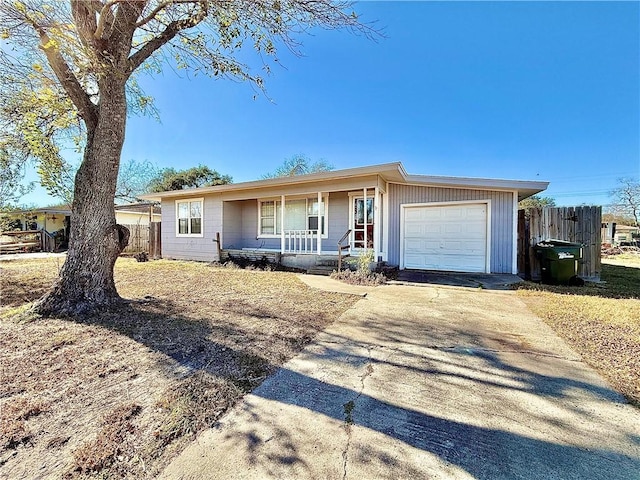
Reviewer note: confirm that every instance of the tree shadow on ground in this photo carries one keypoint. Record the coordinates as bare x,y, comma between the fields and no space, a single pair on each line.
465,366
193,345
190,344
485,453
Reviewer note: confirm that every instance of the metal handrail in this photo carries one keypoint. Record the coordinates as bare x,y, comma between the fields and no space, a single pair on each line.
342,247
346,234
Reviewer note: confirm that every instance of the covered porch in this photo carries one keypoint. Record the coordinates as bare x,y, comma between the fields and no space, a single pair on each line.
316,225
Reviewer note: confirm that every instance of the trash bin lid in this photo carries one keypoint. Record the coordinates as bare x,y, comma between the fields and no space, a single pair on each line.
552,242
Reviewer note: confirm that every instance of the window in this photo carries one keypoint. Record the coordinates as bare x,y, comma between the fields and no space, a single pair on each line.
360,211
268,218
299,214
189,218
315,214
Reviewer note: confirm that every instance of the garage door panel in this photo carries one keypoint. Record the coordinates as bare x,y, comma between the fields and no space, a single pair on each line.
453,214
414,230
413,215
453,229
414,245
448,237
475,238
477,213
433,228
415,261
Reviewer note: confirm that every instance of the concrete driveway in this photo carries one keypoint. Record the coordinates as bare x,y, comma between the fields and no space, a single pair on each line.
426,382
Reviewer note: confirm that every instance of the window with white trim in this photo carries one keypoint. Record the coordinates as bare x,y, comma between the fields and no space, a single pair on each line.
267,218
189,218
299,214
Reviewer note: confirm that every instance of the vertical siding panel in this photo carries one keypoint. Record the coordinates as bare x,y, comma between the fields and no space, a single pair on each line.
192,248
338,220
501,217
232,229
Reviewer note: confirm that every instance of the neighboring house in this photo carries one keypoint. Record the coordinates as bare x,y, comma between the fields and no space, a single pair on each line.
626,234
616,234
412,221
53,219
137,214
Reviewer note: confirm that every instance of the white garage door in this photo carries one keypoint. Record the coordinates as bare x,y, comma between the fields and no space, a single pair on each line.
450,238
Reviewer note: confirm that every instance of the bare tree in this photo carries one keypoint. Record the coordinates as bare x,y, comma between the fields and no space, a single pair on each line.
134,179
88,52
299,165
627,198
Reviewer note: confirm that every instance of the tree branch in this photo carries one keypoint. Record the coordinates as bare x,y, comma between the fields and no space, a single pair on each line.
161,6
85,21
71,85
105,13
166,36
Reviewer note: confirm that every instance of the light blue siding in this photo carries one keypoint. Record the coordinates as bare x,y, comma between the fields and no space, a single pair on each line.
192,248
241,224
338,220
501,218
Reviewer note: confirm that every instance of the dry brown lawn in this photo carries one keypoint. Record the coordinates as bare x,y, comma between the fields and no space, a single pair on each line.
600,321
118,394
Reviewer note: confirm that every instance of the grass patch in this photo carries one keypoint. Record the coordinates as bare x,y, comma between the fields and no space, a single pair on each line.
627,259
600,321
112,442
14,415
194,404
128,388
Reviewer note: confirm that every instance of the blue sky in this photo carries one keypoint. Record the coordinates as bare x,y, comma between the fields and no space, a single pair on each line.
535,91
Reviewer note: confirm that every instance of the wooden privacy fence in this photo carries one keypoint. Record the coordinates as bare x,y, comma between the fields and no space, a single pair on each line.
155,240
573,224
144,238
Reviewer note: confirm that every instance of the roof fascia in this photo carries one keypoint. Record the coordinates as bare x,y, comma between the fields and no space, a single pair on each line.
389,171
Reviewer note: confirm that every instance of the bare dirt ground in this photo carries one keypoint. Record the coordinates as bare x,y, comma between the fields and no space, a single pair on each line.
118,394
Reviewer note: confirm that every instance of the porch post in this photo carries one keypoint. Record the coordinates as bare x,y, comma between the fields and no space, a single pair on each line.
319,223
376,224
282,243
364,211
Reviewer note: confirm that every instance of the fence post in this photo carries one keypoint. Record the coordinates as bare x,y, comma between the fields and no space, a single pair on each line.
155,240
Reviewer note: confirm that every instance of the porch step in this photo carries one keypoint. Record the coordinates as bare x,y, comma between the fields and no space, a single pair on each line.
327,262
322,270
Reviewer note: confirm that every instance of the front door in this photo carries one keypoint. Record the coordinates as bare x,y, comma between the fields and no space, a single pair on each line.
361,222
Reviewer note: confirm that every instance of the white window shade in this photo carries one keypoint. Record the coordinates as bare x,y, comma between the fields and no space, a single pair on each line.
295,215
299,214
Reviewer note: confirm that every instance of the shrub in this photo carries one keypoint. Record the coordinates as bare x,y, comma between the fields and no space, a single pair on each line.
141,257
359,277
364,260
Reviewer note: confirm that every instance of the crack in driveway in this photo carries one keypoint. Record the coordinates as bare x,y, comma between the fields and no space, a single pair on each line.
349,408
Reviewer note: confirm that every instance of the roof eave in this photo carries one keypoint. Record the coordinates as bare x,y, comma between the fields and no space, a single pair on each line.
389,171
525,188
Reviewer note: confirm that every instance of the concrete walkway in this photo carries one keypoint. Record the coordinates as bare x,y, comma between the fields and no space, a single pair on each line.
426,382
7,257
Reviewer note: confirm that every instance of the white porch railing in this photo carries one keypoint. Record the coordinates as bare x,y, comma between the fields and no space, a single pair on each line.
300,241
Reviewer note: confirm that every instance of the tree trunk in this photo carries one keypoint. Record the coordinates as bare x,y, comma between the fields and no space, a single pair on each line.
86,279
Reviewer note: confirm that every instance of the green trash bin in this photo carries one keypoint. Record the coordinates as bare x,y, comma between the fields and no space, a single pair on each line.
558,261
